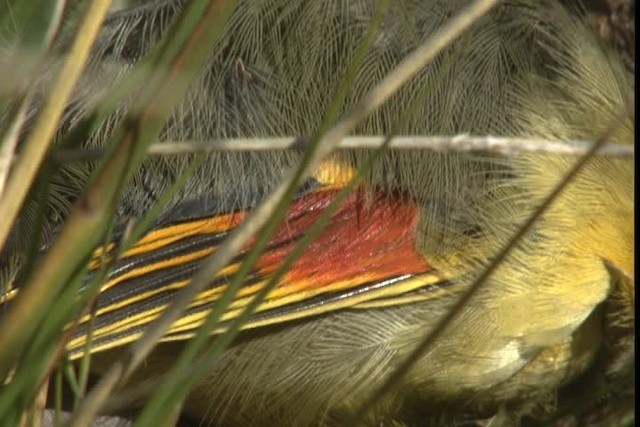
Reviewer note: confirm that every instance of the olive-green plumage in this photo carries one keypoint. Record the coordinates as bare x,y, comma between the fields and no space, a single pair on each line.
529,68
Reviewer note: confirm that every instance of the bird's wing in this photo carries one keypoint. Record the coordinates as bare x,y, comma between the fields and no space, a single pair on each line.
364,257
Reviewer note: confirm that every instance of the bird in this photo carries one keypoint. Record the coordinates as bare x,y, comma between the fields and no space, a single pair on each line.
404,245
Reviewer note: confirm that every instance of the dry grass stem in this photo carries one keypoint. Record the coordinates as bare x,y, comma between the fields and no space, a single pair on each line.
38,141
507,146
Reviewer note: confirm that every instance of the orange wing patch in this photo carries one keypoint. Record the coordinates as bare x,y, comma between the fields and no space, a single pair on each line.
364,257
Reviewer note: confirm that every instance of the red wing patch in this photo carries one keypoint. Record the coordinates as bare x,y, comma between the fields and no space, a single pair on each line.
365,254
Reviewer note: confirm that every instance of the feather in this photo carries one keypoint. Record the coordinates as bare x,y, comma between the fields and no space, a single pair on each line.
529,68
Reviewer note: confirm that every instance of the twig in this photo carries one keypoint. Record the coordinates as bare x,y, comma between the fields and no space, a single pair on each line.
458,143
